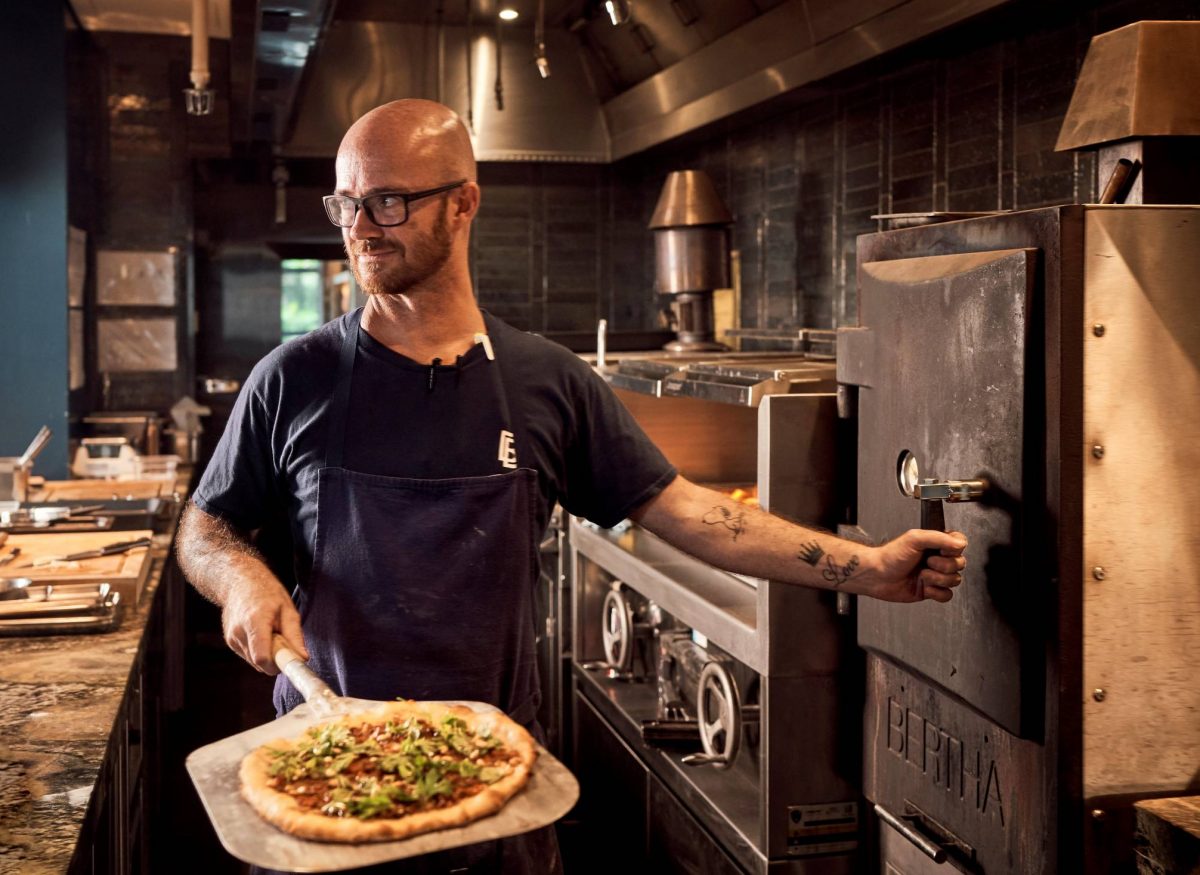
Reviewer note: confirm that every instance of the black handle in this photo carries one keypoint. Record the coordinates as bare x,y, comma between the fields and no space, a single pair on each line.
124,546
933,517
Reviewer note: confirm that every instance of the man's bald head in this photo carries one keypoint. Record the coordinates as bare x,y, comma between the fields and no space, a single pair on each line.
421,138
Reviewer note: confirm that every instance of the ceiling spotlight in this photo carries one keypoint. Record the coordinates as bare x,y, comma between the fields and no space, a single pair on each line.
508,14
618,11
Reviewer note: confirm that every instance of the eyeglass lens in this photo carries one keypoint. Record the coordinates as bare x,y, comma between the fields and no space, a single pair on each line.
382,209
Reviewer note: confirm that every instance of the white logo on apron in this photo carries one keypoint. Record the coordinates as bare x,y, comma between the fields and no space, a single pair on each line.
508,450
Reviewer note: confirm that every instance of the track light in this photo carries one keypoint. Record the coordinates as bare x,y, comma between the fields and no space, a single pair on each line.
618,11
539,42
199,98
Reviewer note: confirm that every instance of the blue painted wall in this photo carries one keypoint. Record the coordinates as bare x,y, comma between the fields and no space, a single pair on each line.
33,231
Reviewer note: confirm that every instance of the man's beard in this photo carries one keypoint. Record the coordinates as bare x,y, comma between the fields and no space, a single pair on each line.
413,264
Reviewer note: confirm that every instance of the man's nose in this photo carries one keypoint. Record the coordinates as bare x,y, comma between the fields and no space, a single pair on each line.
363,228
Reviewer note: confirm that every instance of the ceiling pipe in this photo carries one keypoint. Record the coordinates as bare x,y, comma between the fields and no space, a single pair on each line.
199,98
539,41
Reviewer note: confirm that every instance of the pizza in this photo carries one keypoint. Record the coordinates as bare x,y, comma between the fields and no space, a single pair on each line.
393,772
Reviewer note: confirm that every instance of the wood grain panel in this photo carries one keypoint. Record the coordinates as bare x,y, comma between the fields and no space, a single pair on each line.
1141,636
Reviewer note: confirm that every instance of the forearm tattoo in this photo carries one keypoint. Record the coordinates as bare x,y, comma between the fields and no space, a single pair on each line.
811,553
723,516
839,574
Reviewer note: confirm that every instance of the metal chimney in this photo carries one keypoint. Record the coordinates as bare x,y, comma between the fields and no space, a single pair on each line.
691,248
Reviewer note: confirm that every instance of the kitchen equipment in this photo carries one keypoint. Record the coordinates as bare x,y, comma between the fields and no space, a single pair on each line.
127,570
550,793
29,519
113,549
1135,102
104,457
1012,729
14,480
736,753
35,447
28,607
11,554
141,429
106,491
691,255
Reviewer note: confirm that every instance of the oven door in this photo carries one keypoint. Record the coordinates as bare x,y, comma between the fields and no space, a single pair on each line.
946,365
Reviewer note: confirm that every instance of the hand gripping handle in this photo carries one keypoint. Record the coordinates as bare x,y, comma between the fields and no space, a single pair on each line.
315,691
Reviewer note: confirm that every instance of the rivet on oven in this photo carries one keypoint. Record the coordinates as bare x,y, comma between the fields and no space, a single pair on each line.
1097,452
1098,329
1099,694
1099,573
1098,814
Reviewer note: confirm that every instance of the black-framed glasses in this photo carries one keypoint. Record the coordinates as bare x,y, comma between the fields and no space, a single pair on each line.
386,209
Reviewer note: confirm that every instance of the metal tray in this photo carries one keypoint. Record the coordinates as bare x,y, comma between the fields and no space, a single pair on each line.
30,608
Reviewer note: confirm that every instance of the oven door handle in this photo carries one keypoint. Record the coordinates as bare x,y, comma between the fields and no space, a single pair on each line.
929,848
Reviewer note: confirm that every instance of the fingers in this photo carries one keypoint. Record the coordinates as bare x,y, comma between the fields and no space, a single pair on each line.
262,655
938,593
251,620
948,543
289,627
931,578
947,564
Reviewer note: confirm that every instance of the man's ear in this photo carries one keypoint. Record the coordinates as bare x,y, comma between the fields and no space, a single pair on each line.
466,201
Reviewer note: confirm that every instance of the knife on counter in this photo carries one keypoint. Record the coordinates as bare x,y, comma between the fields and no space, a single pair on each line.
107,550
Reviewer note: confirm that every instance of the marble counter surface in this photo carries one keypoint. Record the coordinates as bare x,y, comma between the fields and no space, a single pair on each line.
59,700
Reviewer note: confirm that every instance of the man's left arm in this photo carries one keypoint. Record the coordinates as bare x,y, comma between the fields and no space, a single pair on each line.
715,528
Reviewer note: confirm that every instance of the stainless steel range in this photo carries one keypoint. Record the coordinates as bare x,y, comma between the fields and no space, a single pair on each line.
1036,378
717,717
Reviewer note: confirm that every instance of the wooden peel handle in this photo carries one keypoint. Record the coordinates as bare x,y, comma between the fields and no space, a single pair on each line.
297,671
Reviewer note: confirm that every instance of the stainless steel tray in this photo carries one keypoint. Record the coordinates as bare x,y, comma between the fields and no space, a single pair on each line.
31,608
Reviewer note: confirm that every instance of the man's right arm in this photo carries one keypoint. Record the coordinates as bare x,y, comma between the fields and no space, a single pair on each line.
225,569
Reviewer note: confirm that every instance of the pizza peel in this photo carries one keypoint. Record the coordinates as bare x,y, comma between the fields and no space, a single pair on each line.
550,793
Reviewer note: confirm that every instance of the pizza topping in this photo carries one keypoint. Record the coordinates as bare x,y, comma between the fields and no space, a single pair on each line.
389,769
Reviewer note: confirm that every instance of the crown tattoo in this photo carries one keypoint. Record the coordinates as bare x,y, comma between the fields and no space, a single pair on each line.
811,553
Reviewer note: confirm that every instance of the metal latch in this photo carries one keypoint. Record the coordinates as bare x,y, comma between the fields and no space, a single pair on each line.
931,492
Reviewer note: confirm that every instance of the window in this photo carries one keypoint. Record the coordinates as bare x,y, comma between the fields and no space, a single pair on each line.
302,305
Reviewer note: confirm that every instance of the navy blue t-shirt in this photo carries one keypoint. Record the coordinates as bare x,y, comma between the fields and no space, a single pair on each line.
407,420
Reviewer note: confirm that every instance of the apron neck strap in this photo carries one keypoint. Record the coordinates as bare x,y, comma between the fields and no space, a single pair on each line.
339,409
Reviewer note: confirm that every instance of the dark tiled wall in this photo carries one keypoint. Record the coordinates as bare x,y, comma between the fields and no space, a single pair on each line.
964,122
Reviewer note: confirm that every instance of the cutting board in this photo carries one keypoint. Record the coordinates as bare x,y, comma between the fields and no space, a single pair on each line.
126,572
103,490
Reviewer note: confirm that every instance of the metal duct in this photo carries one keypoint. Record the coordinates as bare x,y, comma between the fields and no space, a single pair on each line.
363,64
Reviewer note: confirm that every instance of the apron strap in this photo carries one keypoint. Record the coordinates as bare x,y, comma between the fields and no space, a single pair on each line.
339,407
510,413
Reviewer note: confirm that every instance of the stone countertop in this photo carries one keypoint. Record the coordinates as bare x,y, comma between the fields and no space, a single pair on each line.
59,700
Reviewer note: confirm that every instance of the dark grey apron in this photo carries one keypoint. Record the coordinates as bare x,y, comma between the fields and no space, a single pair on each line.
424,589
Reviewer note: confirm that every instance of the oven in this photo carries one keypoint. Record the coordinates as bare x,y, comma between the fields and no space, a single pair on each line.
1030,379
716,717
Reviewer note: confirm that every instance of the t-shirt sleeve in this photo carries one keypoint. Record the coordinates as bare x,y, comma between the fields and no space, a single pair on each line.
240,483
612,465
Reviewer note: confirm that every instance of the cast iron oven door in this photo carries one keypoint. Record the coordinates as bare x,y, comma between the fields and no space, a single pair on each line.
942,364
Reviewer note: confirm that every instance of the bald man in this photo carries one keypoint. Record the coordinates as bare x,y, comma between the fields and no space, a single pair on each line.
418,447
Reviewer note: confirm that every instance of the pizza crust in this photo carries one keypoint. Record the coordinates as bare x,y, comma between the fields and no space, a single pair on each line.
283,811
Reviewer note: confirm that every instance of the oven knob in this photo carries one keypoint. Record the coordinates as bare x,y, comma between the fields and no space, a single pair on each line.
719,713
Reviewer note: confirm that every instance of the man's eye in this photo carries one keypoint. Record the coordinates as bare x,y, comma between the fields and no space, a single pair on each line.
387,200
